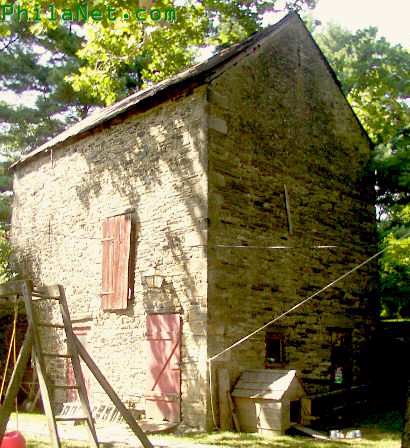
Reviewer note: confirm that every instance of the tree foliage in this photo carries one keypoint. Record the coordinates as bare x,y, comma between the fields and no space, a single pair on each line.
37,63
392,165
126,56
72,67
6,272
374,77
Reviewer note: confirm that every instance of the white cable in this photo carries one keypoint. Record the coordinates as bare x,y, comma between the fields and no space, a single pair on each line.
245,338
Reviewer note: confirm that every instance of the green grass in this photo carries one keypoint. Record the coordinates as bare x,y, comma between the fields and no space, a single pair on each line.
379,431
235,440
37,443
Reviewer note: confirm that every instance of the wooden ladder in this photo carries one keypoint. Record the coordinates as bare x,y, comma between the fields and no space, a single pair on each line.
75,350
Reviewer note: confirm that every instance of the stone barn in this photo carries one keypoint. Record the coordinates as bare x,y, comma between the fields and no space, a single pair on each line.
190,213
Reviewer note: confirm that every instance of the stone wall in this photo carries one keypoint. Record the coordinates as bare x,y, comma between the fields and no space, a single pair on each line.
275,117
278,118
155,164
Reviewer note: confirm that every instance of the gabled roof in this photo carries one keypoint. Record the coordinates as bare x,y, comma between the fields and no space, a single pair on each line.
197,72
195,75
268,384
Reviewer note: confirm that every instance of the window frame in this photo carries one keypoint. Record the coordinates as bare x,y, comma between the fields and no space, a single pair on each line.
275,336
341,349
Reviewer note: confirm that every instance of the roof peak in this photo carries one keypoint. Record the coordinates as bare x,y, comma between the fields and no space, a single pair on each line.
196,72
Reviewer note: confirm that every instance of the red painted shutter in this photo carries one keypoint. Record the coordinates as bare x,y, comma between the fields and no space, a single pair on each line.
115,264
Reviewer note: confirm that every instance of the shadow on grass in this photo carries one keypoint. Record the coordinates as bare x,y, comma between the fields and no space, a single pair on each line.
381,426
42,443
245,440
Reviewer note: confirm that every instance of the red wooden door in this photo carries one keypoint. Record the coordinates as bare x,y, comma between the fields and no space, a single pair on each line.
163,395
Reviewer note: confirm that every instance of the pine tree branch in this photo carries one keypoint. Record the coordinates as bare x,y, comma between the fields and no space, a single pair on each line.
10,42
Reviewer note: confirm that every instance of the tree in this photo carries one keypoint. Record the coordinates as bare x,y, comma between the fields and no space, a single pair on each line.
37,62
373,74
392,164
6,272
77,64
129,55
374,77
72,67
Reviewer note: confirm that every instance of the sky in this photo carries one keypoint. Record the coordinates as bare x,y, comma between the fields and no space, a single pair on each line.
392,17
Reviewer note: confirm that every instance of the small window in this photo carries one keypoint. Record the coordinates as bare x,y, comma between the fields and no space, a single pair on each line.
274,350
116,263
341,356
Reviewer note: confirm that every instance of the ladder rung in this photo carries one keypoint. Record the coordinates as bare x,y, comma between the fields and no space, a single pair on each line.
57,355
68,419
65,386
38,298
45,324
52,291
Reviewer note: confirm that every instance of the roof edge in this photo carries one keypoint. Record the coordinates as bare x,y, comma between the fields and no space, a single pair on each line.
337,81
180,81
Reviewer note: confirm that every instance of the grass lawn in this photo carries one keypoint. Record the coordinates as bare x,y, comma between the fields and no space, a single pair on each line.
34,443
379,431
374,436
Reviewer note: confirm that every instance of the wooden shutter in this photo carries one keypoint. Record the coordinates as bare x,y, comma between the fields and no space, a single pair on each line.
115,264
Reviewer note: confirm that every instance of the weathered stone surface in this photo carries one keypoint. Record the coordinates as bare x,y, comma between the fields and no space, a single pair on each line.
287,123
201,171
155,164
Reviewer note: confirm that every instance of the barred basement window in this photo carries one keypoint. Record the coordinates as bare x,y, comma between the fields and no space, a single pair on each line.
341,356
117,269
274,350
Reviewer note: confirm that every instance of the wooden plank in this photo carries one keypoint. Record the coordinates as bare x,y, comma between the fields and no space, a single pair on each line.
50,325
285,415
121,255
71,419
269,417
269,407
125,413
65,386
15,381
257,394
12,288
266,376
234,414
306,404
107,279
272,386
56,355
115,262
288,210
246,412
116,241
45,398
52,291
224,388
311,432
124,259
340,392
